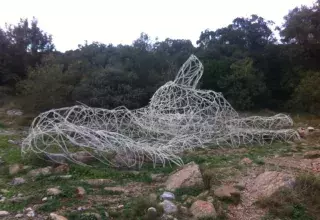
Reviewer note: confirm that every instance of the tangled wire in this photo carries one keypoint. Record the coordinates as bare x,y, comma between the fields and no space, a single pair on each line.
179,117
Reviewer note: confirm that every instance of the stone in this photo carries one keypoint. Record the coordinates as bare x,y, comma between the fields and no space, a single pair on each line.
168,207
55,216
53,191
310,129
4,213
226,192
120,206
240,186
2,199
246,161
312,154
202,209
63,168
65,177
152,212
167,196
117,189
98,182
187,176
80,191
269,182
4,191
15,168
18,215
40,171
17,181
30,212
44,199
14,112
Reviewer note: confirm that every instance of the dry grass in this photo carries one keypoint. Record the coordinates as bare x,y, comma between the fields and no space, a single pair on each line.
302,202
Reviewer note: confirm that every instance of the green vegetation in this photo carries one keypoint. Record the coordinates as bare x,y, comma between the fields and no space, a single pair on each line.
243,60
300,202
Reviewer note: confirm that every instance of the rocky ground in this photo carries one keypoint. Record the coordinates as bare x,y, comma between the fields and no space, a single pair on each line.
214,184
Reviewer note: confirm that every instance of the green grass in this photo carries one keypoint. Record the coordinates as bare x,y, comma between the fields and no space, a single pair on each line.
299,203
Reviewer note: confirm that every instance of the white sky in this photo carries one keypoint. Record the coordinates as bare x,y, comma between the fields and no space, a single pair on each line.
71,22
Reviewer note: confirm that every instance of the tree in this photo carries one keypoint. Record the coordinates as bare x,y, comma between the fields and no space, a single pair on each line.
22,45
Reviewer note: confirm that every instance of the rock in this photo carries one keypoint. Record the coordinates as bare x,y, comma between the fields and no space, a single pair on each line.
312,154
168,207
4,191
55,216
152,212
227,192
44,199
14,112
117,189
18,215
15,168
4,213
65,177
63,168
80,191
53,191
17,181
167,196
99,182
40,171
30,212
246,161
202,209
310,129
188,176
269,182
120,206
2,199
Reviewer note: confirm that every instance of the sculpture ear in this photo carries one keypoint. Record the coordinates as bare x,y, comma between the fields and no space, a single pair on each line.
190,72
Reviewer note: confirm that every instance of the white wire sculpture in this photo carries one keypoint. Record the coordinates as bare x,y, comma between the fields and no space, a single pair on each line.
179,117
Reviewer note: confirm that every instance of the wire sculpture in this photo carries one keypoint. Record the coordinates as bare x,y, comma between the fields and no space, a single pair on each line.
179,117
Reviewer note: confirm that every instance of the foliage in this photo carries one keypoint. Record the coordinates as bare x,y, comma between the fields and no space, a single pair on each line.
243,60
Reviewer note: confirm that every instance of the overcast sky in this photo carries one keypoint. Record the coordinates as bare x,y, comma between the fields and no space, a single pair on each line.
71,22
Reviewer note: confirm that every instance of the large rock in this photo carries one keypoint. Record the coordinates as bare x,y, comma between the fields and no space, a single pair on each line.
187,176
202,209
269,182
40,171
